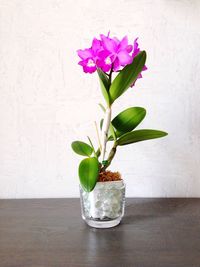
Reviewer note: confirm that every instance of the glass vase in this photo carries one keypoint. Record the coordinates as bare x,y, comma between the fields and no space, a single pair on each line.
104,206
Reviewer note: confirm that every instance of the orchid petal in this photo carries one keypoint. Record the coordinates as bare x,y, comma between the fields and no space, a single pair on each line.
88,65
84,54
136,48
87,69
124,43
124,58
144,68
116,65
129,48
96,45
135,45
108,43
105,60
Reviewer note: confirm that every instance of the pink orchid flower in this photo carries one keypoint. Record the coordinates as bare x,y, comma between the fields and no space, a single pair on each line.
115,53
89,56
108,53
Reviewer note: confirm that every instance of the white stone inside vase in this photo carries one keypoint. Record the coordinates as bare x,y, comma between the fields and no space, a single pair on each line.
105,201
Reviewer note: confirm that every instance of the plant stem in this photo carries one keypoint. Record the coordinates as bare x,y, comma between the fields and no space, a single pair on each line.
110,157
106,122
110,76
106,74
105,128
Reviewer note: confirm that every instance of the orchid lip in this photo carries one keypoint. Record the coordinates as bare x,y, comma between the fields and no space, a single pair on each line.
90,63
107,61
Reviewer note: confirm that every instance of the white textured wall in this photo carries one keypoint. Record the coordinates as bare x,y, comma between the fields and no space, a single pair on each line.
46,101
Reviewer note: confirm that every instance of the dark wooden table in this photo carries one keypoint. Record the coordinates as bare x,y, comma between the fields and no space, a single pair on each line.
51,233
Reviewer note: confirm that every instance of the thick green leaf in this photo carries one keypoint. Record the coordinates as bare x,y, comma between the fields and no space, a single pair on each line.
104,82
82,148
127,76
88,173
139,135
128,119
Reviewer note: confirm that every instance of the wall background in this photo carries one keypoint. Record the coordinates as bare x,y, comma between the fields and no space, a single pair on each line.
46,101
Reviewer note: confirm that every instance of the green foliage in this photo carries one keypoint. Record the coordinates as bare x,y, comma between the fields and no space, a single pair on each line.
82,148
139,135
105,84
128,119
127,76
88,173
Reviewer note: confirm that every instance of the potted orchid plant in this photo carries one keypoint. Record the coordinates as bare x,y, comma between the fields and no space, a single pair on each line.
118,65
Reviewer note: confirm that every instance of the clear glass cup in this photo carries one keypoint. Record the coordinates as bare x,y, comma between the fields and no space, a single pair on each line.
104,206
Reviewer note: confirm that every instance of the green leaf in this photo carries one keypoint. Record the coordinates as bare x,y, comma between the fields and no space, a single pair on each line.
82,148
127,76
104,82
128,119
88,173
139,135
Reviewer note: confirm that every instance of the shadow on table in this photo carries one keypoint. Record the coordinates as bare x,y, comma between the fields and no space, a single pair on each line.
148,209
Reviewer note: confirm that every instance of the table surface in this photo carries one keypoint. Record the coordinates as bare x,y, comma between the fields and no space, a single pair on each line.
51,233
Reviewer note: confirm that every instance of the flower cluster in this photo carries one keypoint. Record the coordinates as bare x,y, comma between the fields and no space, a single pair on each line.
108,53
